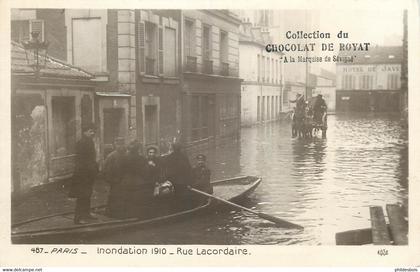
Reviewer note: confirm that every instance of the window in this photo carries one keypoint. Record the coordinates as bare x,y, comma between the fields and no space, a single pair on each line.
21,29
206,46
365,82
263,69
224,52
258,68
170,52
224,46
263,109
348,82
64,125
272,70
189,36
258,109
150,48
393,81
86,110
87,44
206,50
199,115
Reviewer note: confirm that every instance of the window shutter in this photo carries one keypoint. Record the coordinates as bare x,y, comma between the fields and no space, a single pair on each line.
160,51
141,45
37,26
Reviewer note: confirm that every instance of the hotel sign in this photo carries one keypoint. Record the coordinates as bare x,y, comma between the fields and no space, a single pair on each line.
395,68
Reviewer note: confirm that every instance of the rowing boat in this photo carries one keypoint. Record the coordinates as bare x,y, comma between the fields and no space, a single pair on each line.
60,227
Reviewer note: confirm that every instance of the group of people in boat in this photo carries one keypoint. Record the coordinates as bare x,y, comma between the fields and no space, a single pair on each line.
308,115
139,186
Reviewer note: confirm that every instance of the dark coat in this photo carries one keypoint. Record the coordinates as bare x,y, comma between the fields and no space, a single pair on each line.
179,171
153,170
113,167
201,176
86,168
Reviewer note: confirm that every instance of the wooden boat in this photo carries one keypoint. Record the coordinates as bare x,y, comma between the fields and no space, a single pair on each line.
60,227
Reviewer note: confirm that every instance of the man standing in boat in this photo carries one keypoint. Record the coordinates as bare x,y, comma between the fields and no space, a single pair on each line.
113,172
86,169
201,176
179,173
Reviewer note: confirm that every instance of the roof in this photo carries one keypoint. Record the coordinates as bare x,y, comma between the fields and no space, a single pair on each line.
53,68
377,55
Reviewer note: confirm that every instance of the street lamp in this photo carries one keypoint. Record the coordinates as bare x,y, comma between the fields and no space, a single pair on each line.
36,52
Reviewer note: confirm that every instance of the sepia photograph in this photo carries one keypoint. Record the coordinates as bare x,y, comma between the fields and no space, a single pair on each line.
209,127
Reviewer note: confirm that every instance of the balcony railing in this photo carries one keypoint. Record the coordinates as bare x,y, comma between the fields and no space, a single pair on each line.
208,66
191,64
150,66
224,71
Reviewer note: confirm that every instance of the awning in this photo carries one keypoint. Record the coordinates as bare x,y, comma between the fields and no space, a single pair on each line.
112,94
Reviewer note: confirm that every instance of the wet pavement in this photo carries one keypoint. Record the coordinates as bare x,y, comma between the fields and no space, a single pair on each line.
326,185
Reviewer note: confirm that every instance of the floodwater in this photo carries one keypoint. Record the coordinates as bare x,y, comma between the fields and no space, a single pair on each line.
325,185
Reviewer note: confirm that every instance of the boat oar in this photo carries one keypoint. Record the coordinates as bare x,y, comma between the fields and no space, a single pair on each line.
279,222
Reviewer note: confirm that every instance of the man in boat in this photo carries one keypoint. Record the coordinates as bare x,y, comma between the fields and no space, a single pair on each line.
138,181
179,173
86,169
201,176
113,174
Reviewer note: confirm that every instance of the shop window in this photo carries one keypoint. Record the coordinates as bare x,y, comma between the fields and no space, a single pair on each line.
113,124
200,117
86,110
64,125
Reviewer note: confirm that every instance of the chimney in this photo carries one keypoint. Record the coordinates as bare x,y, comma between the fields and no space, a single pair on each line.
247,27
265,33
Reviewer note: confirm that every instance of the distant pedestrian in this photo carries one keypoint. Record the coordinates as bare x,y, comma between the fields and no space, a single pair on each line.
320,108
86,169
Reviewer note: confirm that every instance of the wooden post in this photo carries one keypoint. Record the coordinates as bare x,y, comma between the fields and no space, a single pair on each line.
380,234
398,225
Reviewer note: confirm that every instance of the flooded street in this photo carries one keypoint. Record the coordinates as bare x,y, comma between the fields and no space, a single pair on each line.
326,185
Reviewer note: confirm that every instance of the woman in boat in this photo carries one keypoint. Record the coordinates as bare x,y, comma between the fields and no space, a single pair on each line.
152,176
86,169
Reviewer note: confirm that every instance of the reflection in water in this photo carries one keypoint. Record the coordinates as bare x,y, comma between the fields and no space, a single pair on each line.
326,185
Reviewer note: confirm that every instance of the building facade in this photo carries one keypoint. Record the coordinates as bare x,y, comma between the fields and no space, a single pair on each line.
157,76
211,87
372,82
299,77
48,112
261,91
326,86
